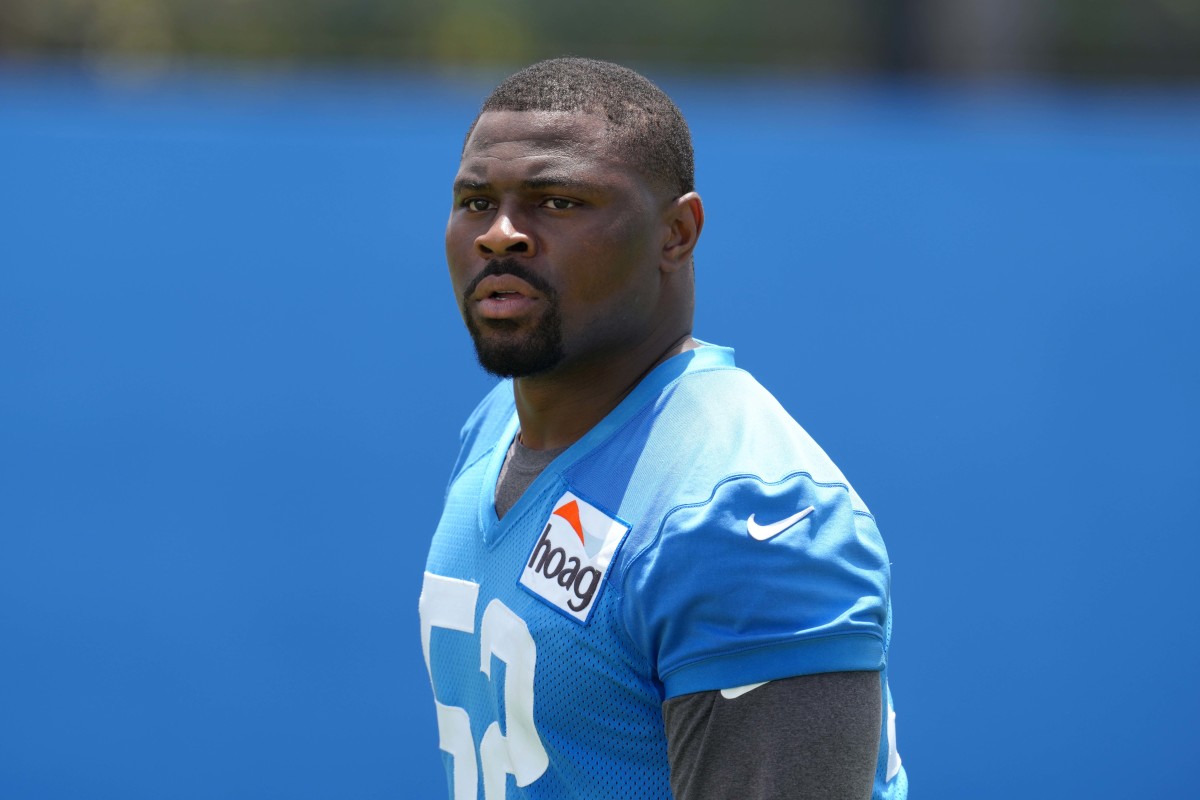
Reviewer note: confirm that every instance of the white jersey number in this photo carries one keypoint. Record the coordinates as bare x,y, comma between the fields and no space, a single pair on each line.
450,603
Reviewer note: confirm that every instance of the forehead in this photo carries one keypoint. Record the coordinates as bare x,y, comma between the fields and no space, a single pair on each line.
536,140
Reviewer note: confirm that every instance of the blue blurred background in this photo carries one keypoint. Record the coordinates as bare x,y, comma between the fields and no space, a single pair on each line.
232,376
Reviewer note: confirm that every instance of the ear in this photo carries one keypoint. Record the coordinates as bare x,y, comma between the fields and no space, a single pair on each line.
684,218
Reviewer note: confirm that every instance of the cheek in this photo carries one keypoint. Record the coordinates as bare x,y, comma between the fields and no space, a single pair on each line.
625,266
459,249
454,238
606,301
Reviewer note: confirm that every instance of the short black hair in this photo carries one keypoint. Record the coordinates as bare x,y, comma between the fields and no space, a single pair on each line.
647,127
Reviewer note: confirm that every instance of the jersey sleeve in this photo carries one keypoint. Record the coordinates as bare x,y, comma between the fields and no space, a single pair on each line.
762,581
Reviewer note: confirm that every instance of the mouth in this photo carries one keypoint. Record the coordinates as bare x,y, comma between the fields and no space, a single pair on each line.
503,286
504,297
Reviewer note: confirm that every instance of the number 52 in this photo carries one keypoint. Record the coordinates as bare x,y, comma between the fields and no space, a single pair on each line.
450,603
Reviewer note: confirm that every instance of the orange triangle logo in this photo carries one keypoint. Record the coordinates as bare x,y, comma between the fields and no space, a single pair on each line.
570,512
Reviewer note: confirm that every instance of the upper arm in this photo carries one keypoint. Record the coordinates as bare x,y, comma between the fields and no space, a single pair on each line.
811,736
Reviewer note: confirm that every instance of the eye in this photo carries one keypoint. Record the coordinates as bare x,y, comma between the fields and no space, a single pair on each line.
559,203
476,204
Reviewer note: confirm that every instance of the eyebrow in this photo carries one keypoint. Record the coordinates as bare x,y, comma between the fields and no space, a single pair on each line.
545,182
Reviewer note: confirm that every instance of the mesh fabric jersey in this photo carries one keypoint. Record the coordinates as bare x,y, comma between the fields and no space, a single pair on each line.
695,539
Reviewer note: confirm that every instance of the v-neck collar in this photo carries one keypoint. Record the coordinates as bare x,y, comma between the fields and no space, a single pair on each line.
703,358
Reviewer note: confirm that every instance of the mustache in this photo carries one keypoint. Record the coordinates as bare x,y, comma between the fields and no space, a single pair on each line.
510,266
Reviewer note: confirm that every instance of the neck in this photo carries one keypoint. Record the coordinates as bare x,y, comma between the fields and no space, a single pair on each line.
556,409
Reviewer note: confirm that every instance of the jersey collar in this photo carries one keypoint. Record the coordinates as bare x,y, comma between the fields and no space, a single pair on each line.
702,359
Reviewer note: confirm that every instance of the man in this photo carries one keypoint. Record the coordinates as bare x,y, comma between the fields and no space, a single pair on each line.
647,581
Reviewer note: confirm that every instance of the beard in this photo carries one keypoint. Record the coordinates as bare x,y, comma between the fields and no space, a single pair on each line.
510,349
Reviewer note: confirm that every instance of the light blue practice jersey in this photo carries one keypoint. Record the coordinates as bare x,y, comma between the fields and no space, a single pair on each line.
696,539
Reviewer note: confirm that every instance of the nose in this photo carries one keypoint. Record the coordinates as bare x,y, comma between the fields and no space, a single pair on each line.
503,238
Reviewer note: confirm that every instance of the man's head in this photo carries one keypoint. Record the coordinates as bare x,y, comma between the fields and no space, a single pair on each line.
574,221
646,126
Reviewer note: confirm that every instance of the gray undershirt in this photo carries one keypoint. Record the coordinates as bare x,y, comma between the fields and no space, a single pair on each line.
521,468
811,736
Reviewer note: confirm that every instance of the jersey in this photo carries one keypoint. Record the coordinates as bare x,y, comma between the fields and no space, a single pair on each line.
695,539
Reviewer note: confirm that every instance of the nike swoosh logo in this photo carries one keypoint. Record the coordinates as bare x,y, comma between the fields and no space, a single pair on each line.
738,691
764,532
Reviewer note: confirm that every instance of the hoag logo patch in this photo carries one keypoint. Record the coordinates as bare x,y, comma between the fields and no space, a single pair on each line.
569,560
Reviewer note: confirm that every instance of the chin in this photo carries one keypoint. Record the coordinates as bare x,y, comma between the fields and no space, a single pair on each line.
508,350
516,359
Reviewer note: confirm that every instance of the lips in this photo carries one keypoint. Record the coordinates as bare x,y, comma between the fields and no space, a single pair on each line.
504,297
509,285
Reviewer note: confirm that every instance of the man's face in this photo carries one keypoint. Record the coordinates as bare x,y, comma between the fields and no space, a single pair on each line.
554,243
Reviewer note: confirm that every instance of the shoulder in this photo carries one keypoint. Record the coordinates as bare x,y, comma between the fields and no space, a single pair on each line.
761,560
737,429
485,426
694,426
747,471
496,405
